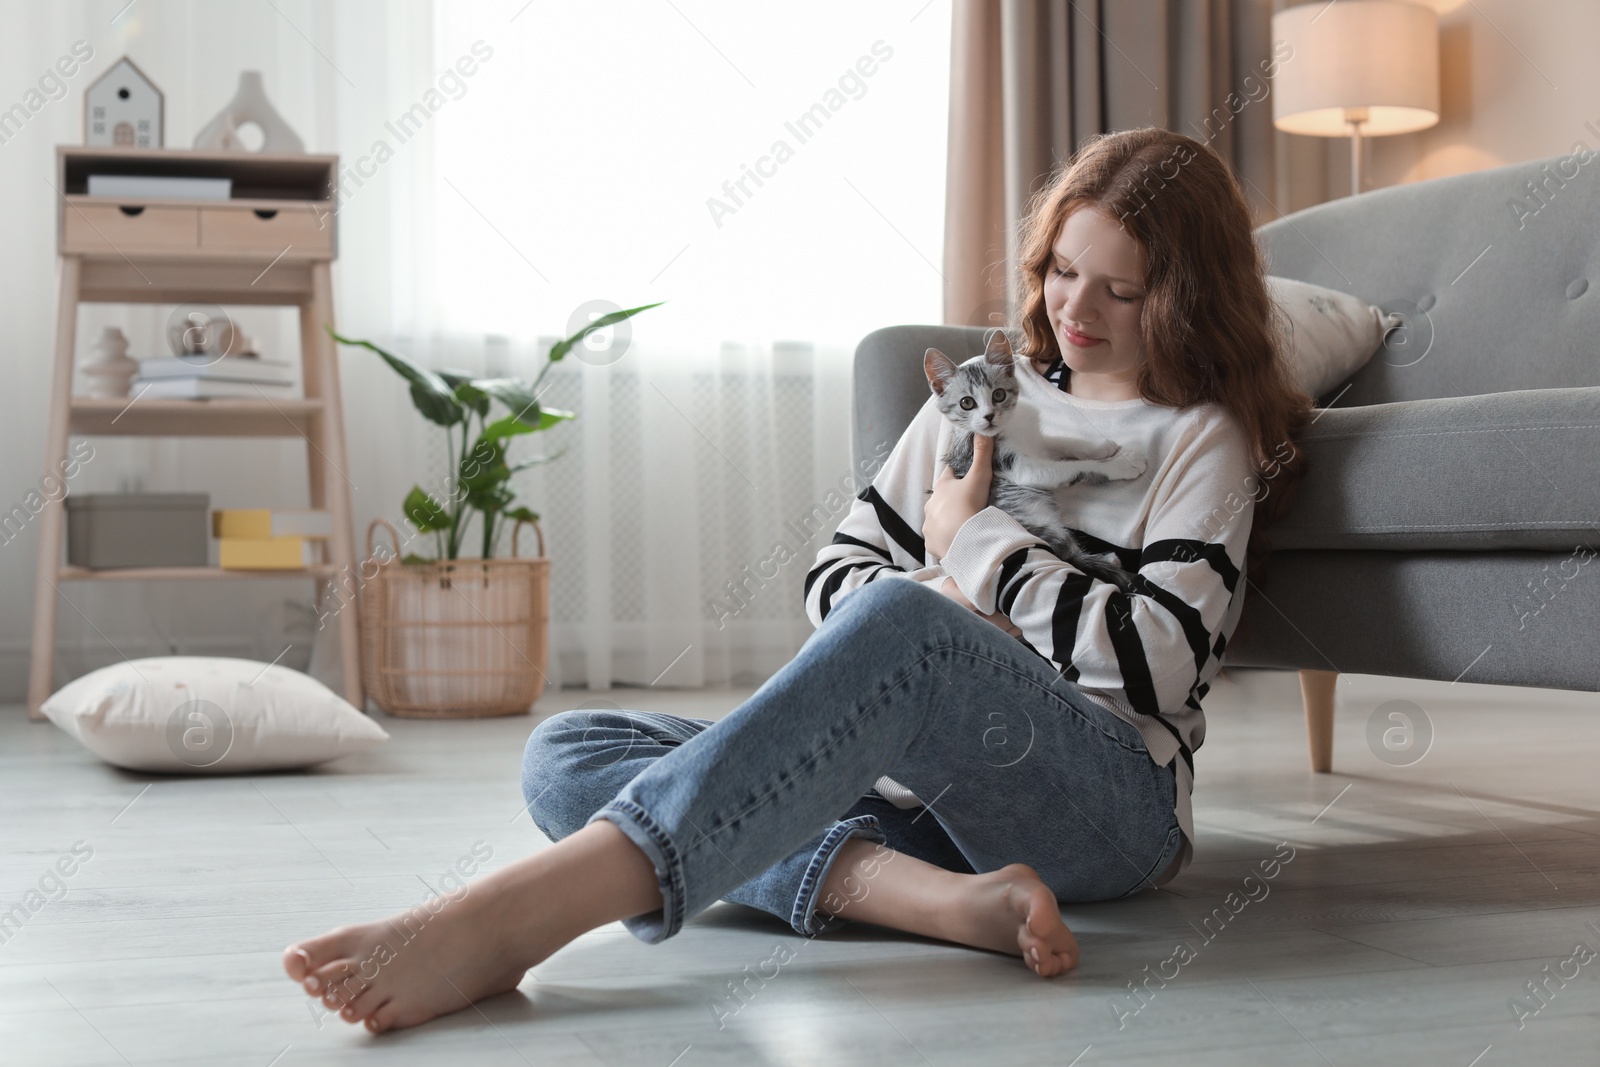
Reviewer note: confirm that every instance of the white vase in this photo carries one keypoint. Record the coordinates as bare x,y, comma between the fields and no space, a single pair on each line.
198,334
249,104
110,373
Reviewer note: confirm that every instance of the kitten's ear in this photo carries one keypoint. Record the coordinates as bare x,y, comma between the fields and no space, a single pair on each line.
997,349
938,367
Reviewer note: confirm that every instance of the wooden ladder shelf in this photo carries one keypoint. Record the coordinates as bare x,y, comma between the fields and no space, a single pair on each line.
272,244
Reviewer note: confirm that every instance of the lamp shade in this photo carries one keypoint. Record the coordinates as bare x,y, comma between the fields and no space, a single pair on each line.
1377,55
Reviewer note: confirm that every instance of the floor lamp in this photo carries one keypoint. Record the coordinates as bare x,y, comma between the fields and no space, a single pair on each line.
1357,68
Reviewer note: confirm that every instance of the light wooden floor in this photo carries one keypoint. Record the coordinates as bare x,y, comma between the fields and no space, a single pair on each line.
1419,902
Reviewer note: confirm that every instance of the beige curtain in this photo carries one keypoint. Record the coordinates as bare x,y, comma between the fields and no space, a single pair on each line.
1031,79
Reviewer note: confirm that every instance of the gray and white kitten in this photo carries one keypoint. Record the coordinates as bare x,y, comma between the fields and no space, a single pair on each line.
978,397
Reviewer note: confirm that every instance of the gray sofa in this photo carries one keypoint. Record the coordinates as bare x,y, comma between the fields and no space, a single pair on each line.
1449,520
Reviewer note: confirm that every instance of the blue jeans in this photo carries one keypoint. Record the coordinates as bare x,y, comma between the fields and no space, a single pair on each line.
1013,763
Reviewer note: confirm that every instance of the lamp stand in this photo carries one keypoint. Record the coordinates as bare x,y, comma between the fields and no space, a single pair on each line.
1355,116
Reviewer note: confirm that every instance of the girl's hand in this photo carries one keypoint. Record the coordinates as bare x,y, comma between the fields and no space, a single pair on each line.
950,589
955,500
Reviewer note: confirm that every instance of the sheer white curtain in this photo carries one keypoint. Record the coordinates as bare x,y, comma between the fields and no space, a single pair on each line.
775,176
333,71
637,152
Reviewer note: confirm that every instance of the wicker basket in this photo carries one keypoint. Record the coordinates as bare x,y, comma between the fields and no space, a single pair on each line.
455,639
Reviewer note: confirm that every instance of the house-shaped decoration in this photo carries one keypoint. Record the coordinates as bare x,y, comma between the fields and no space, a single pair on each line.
123,109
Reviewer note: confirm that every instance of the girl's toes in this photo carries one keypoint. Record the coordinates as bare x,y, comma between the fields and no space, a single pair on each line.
337,980
342,994
359,1009
1039,963
358,1006
307,957
1061,959
1041,959
297,962
383,1017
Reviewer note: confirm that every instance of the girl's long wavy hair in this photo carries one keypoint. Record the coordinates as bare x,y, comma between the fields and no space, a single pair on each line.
1208,324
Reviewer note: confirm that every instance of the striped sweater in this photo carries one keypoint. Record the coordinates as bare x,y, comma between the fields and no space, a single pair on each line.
1182,527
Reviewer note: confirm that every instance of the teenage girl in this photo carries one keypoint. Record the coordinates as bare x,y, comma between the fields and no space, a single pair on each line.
976,732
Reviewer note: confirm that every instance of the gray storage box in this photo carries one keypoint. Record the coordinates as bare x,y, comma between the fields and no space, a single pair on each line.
138,529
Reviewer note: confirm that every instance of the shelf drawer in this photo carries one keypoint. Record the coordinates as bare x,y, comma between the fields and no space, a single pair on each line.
300,228
110,227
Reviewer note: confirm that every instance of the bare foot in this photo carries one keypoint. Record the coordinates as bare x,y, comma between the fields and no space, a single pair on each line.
1011,910
441,956
416,965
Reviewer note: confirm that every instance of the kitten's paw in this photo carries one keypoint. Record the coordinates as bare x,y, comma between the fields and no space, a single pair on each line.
1124,465
1078,450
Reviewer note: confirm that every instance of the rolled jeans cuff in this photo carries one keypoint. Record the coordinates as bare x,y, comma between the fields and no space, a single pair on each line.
656,926
807,919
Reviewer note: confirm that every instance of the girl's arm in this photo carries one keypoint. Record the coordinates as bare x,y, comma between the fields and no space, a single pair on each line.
880,537
1149,647
881,534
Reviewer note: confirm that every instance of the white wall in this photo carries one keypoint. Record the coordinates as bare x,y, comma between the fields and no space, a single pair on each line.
1518,81
137,618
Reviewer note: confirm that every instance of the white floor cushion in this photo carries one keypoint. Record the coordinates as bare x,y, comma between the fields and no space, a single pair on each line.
209,715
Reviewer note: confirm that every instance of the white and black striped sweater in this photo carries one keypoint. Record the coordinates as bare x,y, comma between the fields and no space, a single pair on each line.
1182,527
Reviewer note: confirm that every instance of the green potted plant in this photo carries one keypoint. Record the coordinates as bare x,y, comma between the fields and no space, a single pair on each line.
453,637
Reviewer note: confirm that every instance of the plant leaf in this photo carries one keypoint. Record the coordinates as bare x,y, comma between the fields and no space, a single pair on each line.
510,426
522,514
413,558
486,478
513,424
436,407
490,498
407,369
548,417
466,391
534,461
429,392
484,464
515,394
563,347
424,512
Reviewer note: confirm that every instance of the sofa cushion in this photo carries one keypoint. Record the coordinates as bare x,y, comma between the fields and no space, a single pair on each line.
1495,618
1326,335
1512,470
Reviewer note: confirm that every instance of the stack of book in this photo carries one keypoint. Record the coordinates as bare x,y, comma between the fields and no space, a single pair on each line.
206,376
270,539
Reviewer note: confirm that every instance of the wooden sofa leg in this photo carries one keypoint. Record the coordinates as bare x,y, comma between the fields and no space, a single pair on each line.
1316,690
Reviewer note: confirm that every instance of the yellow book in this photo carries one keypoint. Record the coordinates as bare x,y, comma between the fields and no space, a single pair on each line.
268,553
270,522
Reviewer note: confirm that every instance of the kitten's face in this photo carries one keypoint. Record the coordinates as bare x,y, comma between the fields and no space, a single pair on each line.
976,395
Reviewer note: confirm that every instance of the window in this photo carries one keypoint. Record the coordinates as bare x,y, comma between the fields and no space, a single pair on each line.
771,172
